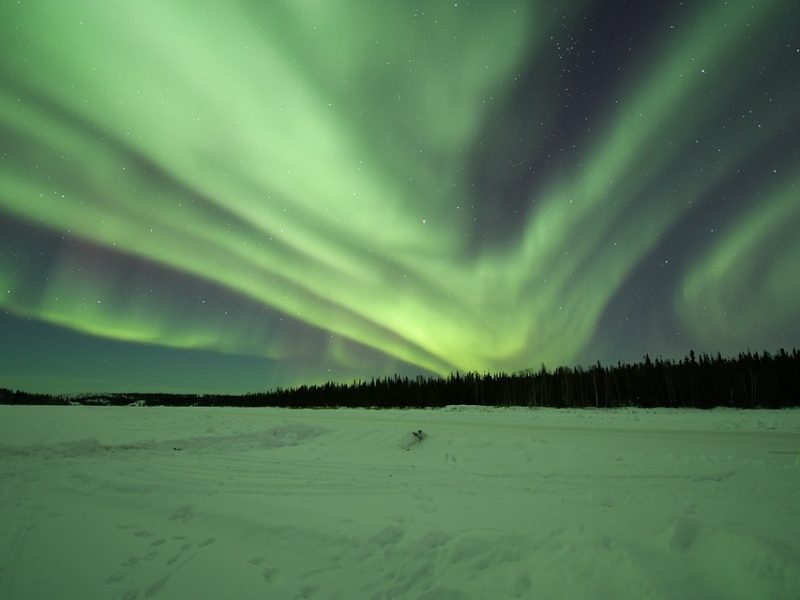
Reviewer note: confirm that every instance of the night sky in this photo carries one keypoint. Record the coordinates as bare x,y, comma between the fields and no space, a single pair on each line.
233,196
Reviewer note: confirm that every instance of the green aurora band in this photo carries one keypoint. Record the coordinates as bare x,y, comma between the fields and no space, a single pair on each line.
305,168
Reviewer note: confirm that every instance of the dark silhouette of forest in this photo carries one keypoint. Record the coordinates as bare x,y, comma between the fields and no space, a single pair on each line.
749,380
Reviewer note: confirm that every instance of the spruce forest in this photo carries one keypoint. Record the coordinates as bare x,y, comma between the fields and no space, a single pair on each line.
749,380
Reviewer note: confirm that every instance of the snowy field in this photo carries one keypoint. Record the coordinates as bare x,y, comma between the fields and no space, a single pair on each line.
204,503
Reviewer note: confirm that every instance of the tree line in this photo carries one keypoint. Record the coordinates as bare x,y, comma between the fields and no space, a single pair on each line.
748,380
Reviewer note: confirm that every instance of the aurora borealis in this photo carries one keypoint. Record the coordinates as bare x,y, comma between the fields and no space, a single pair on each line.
233,196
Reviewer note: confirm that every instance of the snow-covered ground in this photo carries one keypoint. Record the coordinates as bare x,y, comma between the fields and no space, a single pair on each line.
213,503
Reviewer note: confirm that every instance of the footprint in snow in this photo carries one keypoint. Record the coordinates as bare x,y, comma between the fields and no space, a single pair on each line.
143,533
183,513
114,578
269,574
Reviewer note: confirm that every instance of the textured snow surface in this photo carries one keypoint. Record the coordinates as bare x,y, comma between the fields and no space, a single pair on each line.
211,503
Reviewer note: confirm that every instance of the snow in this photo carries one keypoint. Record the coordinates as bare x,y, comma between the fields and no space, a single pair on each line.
130,503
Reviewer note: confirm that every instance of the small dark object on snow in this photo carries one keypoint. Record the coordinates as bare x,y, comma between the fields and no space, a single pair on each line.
419,434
